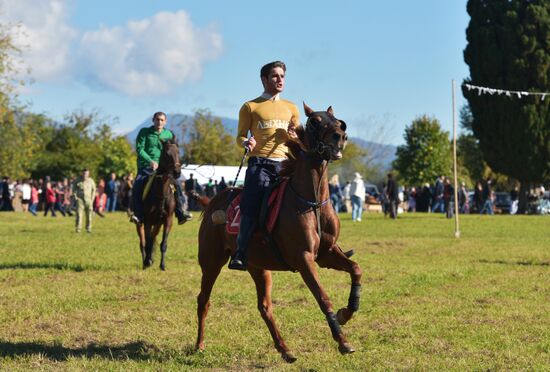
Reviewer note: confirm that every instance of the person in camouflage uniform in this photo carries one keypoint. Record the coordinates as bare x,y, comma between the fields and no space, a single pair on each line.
84,192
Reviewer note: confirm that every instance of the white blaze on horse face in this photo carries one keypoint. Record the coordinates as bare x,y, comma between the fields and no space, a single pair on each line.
275,81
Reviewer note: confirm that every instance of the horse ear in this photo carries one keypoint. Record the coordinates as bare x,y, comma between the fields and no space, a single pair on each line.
329,111
343,125
307,110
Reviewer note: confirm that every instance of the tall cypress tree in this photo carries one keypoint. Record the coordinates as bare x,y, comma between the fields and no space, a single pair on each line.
509,48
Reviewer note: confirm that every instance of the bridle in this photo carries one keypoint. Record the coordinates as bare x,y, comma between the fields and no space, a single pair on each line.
319,151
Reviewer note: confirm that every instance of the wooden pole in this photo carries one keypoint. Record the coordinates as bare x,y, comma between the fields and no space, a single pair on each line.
457,231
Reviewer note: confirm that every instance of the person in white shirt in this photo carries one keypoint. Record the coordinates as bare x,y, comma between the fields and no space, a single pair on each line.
25,195
357,193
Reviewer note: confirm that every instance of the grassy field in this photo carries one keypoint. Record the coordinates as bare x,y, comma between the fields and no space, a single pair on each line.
429,301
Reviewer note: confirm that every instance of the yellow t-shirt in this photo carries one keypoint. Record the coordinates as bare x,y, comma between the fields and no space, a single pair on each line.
268,121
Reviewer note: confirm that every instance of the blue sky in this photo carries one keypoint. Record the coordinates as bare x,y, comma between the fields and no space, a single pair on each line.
379,64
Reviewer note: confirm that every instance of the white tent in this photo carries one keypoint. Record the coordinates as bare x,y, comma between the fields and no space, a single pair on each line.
202,173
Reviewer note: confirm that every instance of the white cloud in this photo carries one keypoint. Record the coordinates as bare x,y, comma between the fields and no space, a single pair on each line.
150,56
43,35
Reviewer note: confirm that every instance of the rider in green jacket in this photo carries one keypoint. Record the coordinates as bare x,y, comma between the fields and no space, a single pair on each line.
149,148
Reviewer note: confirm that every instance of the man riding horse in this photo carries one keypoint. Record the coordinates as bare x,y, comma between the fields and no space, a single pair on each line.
270,120
148,148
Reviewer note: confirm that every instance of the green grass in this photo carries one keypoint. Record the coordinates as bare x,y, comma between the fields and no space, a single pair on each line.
429,301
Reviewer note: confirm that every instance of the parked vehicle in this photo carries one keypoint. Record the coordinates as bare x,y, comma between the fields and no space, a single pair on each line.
372,190
502,202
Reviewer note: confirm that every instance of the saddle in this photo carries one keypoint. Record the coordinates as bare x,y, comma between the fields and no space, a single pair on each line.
149,183
270,209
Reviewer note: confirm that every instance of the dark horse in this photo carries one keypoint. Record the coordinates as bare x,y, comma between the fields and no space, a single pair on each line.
159,204
305,233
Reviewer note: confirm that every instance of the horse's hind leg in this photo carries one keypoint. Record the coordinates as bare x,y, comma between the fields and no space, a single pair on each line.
338,260
308,270
211,262
262,279
141,235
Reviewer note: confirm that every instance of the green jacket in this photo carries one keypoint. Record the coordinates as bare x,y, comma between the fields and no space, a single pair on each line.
149,146
85,190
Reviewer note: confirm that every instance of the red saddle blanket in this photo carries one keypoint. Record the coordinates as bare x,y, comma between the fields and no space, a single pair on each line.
233,214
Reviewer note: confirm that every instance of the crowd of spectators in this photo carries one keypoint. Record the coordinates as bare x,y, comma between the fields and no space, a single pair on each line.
51,197
438,198
47,196
55,197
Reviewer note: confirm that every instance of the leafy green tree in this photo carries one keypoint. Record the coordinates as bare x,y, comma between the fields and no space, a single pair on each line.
508,48
71,149
82,142
118,156
426,153
207,142
16,141
9,55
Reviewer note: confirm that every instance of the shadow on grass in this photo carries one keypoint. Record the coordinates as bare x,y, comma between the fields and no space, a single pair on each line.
521,263
43,265
139,350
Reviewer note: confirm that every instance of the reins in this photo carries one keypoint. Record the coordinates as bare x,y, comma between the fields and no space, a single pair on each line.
316,204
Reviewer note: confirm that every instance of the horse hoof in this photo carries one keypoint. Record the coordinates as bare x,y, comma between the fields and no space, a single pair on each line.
340,317
349,253
200,347
288,357
162,267
345,348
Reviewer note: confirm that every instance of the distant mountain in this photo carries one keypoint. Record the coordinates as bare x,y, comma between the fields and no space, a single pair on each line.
379,154
174,123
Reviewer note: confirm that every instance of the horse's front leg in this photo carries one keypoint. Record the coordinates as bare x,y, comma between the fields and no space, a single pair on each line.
308,270
336,259
151,233
164,244
262,279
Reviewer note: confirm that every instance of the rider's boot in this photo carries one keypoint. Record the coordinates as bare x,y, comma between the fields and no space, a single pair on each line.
246,229
182,215
137,203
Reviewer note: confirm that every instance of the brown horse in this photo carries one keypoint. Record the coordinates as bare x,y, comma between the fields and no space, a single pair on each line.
305,233
159,204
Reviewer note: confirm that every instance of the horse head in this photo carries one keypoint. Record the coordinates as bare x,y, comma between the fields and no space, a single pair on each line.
325,135
170,157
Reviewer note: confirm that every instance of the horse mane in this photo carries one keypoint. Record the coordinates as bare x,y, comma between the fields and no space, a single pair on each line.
295,147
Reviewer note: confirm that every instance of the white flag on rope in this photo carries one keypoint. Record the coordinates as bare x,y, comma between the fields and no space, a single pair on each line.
508,93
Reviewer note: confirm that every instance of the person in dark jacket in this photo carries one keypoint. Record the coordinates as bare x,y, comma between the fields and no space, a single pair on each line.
111,190
424,199
448,194
392,193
